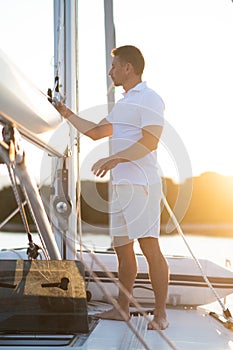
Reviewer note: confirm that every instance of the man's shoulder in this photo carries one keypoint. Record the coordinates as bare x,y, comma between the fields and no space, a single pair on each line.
150,97
150,91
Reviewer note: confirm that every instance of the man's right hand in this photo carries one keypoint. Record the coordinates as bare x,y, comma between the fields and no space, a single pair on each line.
61,108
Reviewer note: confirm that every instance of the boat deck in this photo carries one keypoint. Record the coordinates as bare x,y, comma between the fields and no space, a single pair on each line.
189,329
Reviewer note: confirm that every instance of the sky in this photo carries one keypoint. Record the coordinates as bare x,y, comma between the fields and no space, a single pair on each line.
188,51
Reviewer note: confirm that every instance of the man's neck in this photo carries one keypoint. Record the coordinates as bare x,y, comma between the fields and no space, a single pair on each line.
132,83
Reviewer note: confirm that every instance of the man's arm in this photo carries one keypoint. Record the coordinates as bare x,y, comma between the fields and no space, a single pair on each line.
86,127
146,144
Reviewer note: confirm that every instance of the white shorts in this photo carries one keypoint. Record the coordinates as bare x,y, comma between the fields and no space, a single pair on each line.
135,212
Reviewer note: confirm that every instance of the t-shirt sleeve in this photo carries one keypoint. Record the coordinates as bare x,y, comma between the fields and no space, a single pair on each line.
152,110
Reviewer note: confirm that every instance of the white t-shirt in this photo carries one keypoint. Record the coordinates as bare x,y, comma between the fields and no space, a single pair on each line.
140,107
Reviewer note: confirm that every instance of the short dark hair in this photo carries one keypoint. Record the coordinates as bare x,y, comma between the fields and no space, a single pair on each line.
130,54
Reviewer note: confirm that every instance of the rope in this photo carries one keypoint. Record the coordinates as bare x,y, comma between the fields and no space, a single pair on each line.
10,216
122,288
117,306
33,248
115,303
19,203
179,230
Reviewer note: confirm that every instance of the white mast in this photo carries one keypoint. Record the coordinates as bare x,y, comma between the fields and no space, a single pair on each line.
65,59
110,43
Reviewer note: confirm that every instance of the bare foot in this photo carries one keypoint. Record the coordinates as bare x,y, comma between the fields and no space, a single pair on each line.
158,323
112,314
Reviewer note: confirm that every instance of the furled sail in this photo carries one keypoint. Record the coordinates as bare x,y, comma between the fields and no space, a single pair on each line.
22,103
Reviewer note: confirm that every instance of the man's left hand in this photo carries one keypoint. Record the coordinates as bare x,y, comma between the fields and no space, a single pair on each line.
102,166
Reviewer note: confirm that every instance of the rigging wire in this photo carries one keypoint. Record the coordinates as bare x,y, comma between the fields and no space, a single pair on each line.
129,296
14,155
14,212
78,202
114,302
20,208
33,248
225,310
19,202
121,287
23,204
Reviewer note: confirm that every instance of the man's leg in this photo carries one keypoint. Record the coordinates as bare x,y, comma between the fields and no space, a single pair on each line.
127,271
159,276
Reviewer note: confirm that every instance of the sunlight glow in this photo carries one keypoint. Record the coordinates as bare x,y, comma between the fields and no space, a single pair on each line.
188,51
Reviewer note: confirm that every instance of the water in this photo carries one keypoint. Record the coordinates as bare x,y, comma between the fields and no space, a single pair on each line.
217,249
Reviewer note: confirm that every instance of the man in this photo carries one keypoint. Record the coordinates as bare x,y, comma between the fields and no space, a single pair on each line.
135,125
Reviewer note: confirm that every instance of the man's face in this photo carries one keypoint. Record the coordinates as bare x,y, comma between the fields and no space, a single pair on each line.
118,71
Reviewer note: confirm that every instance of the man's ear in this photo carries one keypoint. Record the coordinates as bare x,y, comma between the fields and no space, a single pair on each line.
128,67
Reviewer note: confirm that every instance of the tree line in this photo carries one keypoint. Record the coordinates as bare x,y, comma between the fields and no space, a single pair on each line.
205,201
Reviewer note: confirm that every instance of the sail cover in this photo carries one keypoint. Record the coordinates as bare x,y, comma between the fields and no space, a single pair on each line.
22,103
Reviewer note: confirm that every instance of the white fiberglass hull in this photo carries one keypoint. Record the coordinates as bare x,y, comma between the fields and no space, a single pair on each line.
186,286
